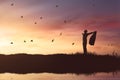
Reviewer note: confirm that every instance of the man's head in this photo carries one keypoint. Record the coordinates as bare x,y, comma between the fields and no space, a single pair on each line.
85,31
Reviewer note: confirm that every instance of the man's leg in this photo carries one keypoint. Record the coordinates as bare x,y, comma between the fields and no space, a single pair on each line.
84,49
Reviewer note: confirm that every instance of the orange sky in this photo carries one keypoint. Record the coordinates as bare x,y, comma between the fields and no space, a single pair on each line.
79,15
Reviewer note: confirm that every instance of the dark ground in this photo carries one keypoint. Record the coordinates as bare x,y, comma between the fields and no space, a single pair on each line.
59,63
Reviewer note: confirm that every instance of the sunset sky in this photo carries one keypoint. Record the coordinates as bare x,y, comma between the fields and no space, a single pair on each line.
44,20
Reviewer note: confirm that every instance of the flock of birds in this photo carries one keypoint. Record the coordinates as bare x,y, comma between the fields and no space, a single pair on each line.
53,40
24,41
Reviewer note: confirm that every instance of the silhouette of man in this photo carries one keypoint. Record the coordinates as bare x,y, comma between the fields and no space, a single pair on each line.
85,34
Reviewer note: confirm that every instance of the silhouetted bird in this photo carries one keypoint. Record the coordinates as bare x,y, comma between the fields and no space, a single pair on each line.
41,17
21,16
12,4
24,41
65,21
110,44
35,23
11,43
73,43
60,34
53,40
57,5
31,40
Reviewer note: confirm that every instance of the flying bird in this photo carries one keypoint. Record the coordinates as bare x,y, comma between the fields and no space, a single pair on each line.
35,23
11,43
61,34
41,17
12,4
73,43
21,16
110,44
57,5
65,21
53,40
24,41
31,40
